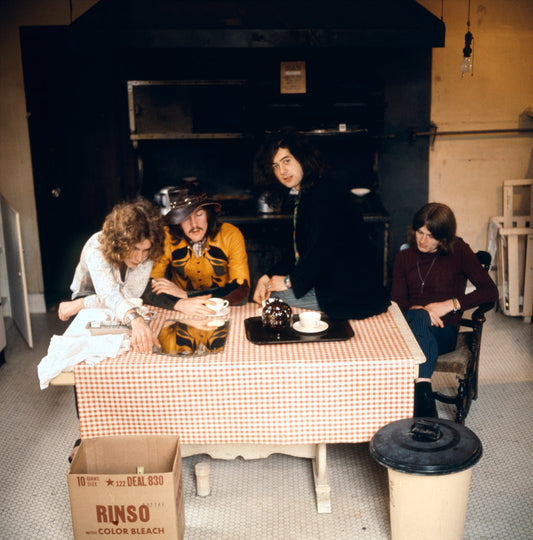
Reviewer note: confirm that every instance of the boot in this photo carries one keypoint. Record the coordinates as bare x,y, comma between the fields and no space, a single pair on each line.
424,400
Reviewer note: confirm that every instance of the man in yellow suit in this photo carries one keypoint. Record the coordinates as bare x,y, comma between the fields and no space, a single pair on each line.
203,257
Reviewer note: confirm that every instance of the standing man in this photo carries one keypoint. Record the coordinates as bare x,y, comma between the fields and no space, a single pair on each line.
202,257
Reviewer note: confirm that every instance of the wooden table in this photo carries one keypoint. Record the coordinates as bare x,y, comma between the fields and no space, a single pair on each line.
254,400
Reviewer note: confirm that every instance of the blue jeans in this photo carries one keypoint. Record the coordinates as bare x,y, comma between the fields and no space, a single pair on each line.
307,301
433,340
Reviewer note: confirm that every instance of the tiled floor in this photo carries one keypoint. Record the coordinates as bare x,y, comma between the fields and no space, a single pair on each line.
273,498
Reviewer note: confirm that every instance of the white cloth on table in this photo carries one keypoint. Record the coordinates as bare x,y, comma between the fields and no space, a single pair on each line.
67,351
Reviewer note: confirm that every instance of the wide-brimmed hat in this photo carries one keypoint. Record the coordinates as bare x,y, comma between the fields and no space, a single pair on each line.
184,200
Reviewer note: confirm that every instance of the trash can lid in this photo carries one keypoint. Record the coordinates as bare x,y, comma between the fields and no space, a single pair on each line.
426,446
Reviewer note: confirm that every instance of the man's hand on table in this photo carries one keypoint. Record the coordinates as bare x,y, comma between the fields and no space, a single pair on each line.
142,337
198,306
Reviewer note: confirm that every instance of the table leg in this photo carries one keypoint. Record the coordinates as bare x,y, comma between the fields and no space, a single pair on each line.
315,452
320,472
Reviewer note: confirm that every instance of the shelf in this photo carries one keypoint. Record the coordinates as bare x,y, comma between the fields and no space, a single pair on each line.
368,217
184,136
336,132
196,136
257,218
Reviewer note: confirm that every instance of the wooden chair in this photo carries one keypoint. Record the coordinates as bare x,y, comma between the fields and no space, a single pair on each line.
464,360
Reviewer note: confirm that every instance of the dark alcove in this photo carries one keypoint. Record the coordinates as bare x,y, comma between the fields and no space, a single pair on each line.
367,74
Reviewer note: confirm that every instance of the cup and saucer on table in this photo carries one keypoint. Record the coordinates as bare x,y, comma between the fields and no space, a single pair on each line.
276,324
310,322
219,306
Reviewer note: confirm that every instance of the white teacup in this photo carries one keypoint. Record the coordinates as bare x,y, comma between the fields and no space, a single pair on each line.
218,304
310,319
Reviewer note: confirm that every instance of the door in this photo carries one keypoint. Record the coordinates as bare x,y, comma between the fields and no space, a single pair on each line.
16,271
78,127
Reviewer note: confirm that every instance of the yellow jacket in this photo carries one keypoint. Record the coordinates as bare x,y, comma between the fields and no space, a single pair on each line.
223,261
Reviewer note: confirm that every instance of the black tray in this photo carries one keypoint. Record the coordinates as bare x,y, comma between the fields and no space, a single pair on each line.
338,330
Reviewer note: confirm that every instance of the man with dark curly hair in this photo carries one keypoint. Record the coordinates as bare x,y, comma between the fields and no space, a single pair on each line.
115,266
332,266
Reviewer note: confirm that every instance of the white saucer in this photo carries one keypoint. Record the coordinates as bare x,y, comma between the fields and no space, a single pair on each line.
322,325
221,313
216,323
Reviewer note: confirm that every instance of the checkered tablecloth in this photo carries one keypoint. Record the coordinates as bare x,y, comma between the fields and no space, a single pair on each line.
329,392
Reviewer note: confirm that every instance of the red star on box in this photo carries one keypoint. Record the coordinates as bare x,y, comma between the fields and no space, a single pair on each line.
110,482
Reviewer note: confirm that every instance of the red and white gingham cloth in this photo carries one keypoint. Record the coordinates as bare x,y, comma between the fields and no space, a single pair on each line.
329,392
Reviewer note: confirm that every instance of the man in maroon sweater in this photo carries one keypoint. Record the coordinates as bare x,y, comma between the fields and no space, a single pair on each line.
429,282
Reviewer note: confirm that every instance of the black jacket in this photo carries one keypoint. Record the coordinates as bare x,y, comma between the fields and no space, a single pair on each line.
337,257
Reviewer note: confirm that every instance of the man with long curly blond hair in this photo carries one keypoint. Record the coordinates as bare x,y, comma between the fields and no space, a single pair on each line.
115,266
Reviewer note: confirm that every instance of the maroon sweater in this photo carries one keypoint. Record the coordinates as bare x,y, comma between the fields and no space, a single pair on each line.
446,279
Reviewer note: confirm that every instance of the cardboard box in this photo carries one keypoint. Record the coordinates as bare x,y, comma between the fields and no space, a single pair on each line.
108,498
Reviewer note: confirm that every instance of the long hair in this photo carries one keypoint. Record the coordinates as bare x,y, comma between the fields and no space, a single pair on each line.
310,159
128,224
440,222
213,226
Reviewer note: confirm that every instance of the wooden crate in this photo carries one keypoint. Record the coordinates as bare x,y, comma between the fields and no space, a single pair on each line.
518,203
515,249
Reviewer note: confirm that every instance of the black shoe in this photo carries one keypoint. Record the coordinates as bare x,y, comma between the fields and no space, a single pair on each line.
424,400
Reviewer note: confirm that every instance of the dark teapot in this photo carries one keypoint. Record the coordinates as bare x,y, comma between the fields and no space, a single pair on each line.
276,314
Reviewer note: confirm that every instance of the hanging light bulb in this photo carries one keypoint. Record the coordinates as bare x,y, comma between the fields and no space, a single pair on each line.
466,64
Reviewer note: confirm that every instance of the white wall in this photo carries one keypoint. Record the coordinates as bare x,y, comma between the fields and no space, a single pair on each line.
466,172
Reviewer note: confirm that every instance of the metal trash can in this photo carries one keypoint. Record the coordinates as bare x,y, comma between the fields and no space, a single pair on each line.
429,464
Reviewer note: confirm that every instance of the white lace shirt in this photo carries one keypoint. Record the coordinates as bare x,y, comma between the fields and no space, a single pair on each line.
100,282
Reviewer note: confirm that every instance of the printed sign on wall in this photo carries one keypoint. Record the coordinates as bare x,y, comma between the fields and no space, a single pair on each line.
292,78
